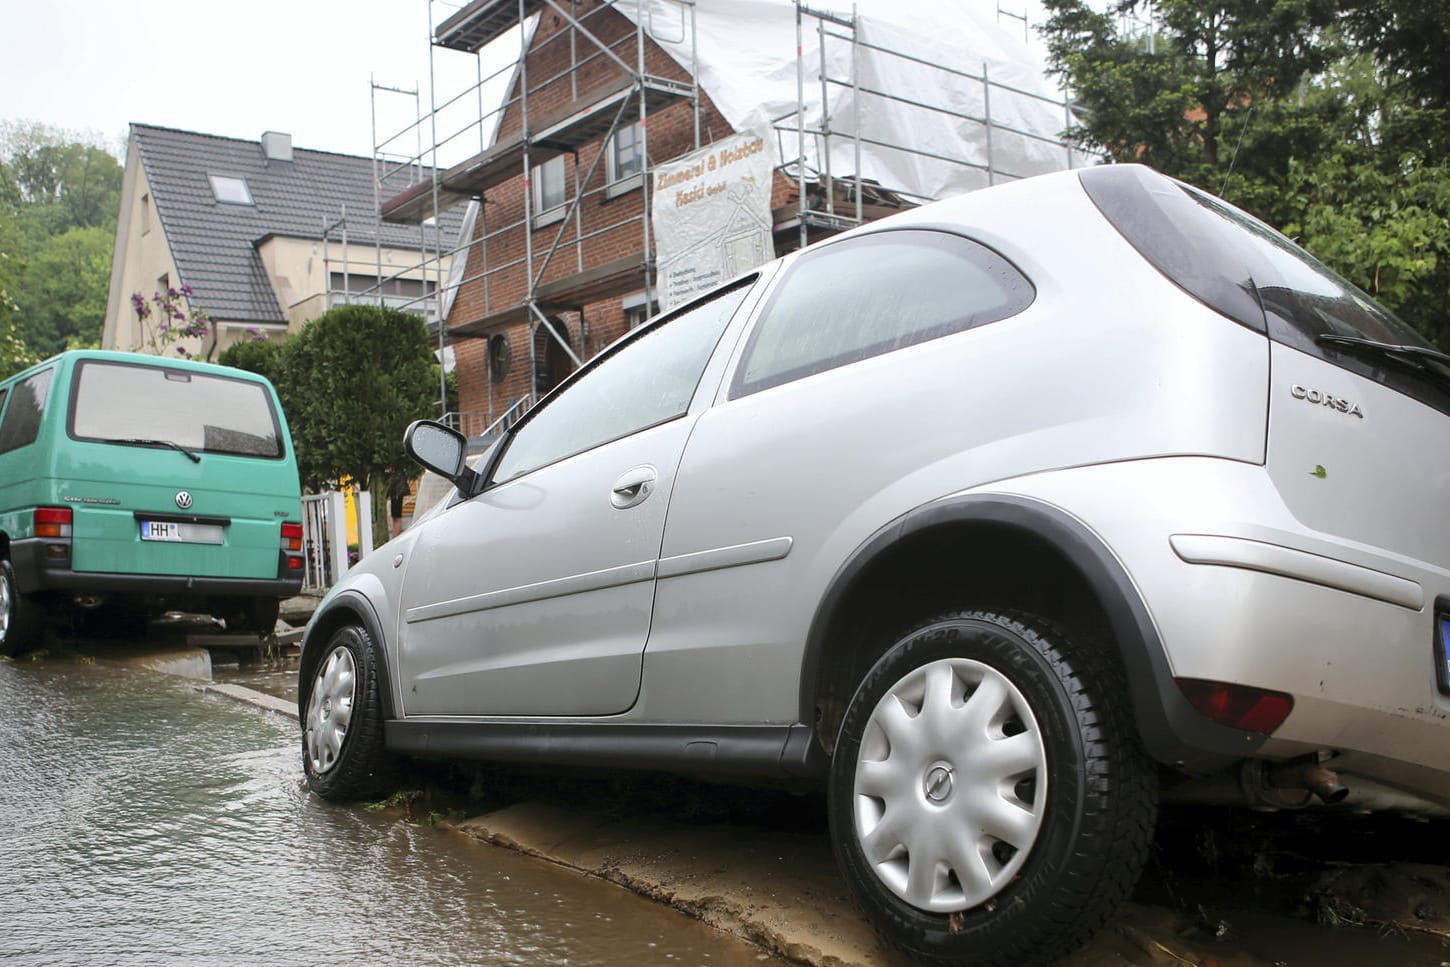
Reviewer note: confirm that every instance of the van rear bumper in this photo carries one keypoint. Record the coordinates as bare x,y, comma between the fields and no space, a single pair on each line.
36,571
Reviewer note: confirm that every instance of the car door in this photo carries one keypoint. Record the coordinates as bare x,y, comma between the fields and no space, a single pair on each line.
534,596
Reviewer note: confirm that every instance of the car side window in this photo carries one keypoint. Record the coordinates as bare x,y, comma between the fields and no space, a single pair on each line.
873,294
642,383
21,423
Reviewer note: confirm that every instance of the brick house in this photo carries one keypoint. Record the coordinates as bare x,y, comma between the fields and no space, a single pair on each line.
559,260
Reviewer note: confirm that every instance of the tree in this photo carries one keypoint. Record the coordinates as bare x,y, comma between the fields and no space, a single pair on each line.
61,292
59,200
1273,106
261,356
352,380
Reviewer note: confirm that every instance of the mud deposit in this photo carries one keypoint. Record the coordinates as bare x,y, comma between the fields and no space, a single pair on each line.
1226,888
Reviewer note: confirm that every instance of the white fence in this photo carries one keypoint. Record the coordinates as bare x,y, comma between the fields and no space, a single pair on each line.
324,536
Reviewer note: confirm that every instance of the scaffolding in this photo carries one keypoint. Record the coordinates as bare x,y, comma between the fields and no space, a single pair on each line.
579,80
601,88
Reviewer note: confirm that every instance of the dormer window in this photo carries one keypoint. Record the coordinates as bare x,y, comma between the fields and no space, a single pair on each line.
230,190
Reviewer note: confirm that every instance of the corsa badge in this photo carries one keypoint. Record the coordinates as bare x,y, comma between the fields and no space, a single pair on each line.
1320,398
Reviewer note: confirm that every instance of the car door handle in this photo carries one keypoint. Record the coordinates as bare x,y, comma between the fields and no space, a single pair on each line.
634,487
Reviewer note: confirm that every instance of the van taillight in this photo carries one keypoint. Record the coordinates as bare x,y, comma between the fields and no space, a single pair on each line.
52,521
1239,706
291,536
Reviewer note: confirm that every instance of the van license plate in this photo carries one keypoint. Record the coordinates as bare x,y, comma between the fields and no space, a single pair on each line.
170,530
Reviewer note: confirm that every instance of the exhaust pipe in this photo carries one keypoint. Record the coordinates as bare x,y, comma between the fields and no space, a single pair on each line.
1308,774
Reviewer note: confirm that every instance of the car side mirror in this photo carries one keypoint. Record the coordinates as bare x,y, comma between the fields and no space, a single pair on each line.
442,450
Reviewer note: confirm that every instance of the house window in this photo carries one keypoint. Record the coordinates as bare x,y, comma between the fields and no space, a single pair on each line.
638,309
145,214
550,191
625,159
230,190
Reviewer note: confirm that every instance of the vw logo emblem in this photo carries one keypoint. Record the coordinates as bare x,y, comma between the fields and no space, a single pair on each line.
183,499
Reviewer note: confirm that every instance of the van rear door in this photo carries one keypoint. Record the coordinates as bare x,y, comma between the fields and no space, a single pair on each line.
175,469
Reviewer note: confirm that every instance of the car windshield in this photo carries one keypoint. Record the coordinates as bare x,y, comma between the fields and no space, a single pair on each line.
187,410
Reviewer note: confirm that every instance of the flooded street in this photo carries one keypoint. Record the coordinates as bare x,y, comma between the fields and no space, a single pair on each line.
149,823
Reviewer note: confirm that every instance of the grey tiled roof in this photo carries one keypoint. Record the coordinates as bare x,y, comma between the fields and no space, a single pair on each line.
214,244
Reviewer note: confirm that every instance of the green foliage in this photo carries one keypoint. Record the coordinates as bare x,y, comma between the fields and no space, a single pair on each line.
61,291
59,200
256,356
1388,232
352,380
1327,120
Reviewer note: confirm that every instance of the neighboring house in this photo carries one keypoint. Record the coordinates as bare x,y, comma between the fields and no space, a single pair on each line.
264,236
558,257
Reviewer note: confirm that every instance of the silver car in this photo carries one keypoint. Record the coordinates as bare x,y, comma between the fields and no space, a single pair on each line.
1000,519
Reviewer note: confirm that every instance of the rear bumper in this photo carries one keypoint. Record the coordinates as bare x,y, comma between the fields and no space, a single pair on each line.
39,568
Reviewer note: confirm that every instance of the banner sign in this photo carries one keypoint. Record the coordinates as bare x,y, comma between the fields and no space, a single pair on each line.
712,216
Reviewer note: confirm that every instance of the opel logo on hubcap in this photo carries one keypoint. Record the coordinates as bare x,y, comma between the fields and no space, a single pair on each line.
938,783
183,499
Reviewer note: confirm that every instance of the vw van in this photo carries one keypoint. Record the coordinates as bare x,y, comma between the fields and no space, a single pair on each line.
133,484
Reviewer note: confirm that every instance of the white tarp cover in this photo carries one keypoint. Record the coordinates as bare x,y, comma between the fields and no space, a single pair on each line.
743,54
711,216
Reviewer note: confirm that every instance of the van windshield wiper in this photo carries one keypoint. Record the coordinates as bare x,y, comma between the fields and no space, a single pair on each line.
1429,362
162,443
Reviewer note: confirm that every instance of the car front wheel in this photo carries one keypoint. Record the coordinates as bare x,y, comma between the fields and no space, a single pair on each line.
989,803
342,723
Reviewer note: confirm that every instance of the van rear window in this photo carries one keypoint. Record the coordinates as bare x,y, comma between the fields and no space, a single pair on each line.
147,405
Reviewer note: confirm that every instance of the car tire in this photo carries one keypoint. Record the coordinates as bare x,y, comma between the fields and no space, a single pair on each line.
22,616
989,801
343,754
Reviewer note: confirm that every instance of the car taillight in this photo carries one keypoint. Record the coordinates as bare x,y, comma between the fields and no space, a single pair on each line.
52,521
1239,706
291,536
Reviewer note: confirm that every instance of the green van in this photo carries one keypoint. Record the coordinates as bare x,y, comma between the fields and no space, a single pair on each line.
131,484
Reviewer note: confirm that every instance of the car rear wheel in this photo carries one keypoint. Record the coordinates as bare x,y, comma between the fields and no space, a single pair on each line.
989,803
22,618
343,754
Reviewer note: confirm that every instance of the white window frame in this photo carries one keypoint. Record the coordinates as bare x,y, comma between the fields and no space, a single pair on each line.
224,188
615,184
549,215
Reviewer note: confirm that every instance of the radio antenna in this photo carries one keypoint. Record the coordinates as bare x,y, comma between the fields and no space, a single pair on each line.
1234,160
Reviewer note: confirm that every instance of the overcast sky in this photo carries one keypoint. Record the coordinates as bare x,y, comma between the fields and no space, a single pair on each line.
233,69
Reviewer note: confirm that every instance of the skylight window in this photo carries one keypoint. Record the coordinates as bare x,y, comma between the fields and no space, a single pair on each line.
230,190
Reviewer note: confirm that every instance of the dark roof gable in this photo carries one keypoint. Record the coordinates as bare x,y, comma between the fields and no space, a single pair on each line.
214,243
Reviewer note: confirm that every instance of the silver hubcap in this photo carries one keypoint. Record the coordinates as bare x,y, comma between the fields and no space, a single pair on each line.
329,709
951,784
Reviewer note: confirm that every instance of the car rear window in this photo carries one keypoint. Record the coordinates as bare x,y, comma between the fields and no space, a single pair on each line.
138,404
1242,268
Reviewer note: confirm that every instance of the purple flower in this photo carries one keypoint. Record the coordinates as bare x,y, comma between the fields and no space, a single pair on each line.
186,290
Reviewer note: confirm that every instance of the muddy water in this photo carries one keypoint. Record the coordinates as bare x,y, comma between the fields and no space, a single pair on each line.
145,822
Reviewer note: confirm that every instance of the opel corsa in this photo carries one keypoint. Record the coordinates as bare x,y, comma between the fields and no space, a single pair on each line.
1000,519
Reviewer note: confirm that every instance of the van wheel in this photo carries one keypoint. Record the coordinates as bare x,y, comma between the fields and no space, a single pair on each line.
342,723
989,802
257,614
22,617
